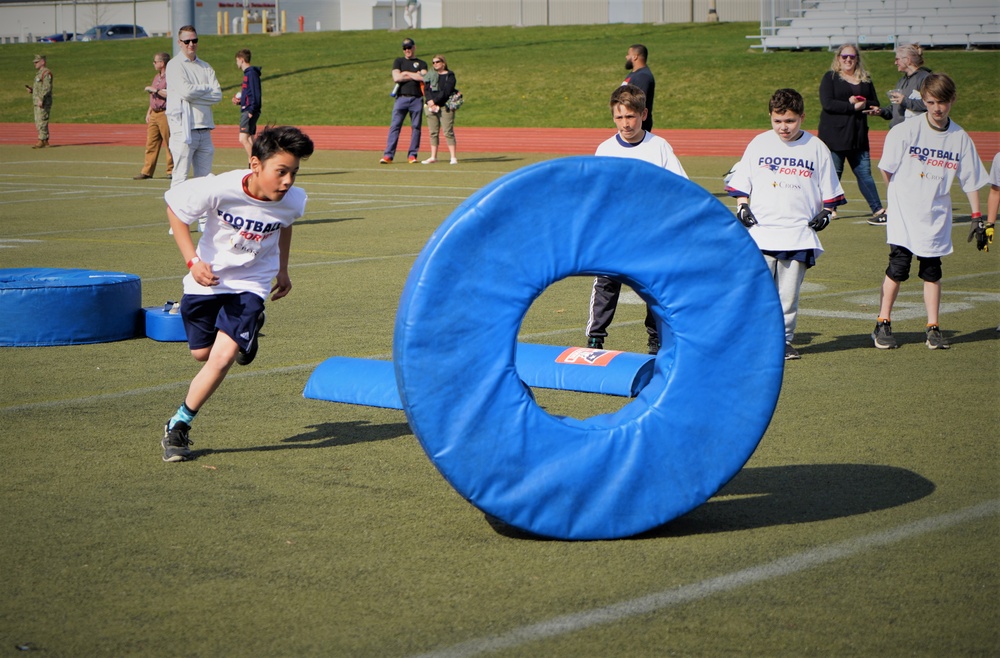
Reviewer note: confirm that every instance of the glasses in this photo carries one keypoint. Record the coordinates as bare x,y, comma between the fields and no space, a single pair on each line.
848,57
407,47
435,61
188,42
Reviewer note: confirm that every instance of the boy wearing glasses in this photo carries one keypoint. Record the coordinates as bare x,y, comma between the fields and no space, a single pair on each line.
194,89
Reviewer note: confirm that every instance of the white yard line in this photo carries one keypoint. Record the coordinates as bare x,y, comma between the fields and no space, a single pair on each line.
786,566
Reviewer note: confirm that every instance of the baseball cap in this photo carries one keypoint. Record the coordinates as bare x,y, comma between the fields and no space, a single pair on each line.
408,43
39,58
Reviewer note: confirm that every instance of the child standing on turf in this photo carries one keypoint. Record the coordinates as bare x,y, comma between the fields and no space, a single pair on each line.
921,158
248,98
245,245
786,188
628,109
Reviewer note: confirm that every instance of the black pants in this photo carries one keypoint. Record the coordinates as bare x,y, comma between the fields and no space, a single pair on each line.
604,302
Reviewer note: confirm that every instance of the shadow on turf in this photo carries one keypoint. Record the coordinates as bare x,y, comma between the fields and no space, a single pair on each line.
904,338
332,220
325,435
785,495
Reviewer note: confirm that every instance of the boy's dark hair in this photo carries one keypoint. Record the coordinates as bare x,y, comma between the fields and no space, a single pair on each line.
244,54
640,50
187,28
630,96
940,87
786,100
275,139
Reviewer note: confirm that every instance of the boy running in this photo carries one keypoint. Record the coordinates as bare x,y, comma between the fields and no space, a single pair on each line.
628,109
921,158
245,245
786,188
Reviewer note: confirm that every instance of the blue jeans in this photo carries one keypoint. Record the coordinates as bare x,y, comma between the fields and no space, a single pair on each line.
414,106
861,165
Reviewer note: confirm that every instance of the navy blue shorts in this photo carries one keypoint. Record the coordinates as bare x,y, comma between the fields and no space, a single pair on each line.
900,259
234,314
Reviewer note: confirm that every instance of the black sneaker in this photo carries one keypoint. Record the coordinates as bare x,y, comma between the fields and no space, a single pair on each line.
246,358
877,218
176,441
791,354
653,344
595,343
882,336
935,341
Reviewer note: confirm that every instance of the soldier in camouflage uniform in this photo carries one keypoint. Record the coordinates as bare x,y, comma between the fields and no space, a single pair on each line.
41,95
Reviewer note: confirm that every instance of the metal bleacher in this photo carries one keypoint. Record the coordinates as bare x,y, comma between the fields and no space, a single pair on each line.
811,24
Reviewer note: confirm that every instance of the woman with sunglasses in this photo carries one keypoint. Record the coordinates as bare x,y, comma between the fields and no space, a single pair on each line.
440,84
847,96
905,98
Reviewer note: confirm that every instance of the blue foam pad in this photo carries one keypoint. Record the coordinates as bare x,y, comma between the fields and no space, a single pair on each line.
373,383
715,381
49,306
164,326
354,381
583,369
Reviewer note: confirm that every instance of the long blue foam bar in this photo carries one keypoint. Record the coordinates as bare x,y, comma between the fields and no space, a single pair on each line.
373,383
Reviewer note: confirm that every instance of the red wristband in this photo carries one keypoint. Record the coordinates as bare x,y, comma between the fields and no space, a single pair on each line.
977,215
193,262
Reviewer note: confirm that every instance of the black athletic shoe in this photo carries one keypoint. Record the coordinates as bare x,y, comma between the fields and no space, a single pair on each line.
791,354
176,441
595,343
653,344
246,358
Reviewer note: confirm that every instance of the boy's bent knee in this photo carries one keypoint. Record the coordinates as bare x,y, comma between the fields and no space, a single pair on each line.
930,269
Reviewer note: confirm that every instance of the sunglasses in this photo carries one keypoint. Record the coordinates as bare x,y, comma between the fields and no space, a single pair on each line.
407,47
188,42
435,61
848,57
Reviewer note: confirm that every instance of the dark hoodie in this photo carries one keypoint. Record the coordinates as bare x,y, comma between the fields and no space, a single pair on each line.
250,99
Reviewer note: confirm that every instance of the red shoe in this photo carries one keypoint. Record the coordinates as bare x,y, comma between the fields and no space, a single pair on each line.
412,159
385,161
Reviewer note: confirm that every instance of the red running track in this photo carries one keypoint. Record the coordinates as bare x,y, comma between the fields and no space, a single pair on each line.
561,141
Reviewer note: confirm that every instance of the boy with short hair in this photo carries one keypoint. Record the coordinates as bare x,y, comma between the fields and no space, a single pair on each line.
786,188
628,109
921,158
245,245
249,100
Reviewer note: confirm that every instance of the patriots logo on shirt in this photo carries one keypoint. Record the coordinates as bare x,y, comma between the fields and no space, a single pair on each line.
921,157
769,166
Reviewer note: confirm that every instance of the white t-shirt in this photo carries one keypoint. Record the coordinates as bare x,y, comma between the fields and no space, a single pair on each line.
652,149
787,183
924,163
995,171
241,235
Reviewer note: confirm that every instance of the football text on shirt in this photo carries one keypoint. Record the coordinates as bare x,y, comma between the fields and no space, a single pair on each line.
790,166
934,157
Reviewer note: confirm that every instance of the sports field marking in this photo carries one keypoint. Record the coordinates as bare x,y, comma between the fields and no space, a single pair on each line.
659,601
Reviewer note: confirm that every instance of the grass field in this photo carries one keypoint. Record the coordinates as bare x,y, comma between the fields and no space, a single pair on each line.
867,522
707,75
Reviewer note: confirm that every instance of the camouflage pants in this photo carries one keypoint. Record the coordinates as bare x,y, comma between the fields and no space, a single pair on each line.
42,122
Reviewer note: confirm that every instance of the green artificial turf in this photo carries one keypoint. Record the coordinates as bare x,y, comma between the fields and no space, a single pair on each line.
708,76
310,528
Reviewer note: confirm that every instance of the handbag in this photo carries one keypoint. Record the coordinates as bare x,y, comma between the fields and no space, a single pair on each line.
454,101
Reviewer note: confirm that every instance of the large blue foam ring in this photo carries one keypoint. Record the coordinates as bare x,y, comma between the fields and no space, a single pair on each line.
716,378
56,306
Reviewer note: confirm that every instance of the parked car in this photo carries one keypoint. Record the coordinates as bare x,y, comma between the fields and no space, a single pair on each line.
56,38
106,32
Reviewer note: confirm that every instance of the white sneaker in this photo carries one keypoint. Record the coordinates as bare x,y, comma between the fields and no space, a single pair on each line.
429,161
454,161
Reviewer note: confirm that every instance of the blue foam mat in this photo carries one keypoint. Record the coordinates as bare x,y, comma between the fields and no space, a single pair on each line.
373,383
52,306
